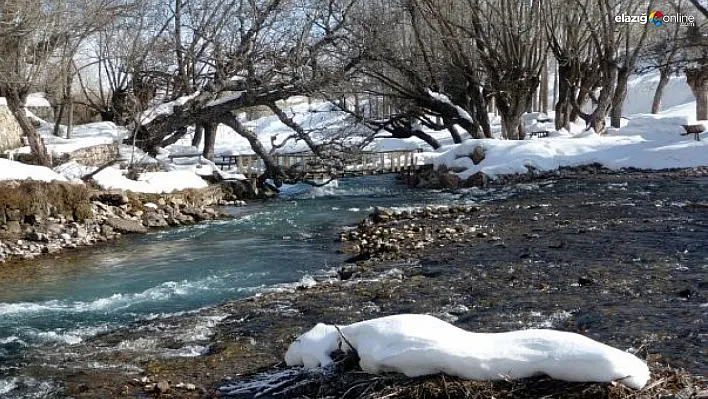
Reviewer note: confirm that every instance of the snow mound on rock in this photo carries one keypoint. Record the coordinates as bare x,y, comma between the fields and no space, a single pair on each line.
417,345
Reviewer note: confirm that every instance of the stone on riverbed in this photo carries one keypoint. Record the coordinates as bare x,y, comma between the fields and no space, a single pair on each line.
126,226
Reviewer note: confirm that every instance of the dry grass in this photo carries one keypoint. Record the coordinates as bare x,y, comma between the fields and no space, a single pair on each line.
345,380
46,199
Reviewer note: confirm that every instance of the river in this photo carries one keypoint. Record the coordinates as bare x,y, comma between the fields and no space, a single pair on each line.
58,301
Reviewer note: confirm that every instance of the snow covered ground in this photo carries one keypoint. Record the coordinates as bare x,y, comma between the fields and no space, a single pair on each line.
11,170
92,134
417,345
33,100
151,182
644,141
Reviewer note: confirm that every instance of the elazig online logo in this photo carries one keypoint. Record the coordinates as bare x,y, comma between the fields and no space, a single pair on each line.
656,18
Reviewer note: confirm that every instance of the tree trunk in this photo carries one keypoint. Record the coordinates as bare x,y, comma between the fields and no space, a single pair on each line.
510,127
58,117
479,104
456,138
272,169
543,91
69,98
563,107
596,120
659,93
209,140
16,104
198,134
618,98
70,120
428,139
555,83
697,80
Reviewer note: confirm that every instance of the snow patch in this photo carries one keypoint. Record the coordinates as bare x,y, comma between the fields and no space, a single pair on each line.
35,100
11,170
151,182
417,345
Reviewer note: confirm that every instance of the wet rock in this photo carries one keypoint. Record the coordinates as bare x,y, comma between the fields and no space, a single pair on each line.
126,226
13,227
183,219
449,180
358,258
111,198
153,219
195,213
187,386
478,179
162,387
382,215
350,247
585,281
38,236
686,294
477,155
346,272
459,310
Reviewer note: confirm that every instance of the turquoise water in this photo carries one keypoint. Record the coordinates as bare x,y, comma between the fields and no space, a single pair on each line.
64,300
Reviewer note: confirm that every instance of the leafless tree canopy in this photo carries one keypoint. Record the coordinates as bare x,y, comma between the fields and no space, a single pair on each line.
399,68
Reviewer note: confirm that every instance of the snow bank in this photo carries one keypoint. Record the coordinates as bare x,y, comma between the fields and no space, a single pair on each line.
645,142
83,136
35,100
11,170
417,345
152,182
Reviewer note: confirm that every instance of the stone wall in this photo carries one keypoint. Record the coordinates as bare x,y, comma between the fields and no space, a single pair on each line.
96,155
10,131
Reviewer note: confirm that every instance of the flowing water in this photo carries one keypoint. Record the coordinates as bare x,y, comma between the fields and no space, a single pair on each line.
61,301
52,303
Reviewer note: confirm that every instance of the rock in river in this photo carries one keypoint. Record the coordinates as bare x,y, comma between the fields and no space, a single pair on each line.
126,226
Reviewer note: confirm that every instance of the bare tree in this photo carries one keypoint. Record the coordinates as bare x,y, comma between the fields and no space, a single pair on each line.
35,32
262,53
631,39
576,74
419,59
512,48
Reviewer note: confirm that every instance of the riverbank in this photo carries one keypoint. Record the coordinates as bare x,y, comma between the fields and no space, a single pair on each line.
42,219
591,257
